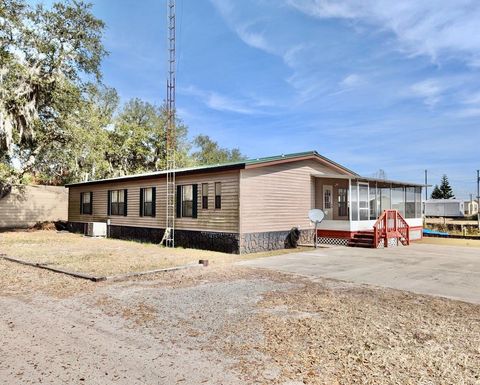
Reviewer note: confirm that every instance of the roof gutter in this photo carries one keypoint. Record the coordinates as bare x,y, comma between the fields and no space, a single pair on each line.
359,177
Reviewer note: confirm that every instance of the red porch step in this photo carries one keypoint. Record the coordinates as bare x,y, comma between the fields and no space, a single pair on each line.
362,239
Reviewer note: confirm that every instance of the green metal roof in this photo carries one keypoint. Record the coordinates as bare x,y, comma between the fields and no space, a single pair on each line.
229,165
162,172
280,157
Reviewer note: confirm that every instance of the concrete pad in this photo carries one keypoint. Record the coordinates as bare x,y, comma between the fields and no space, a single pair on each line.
446,271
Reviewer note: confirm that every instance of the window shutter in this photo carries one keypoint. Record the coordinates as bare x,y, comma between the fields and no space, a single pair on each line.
141,201
179,201
81,203
195,201
109,203
91,202
154,201
125,202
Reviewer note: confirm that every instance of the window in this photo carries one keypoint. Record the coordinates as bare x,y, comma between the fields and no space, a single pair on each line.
218,195
86,203
342,202
187,201
118,202
205,196
147,201
327,198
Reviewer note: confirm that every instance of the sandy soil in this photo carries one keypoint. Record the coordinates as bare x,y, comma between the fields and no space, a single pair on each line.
450,242
229,325
451,221
100,257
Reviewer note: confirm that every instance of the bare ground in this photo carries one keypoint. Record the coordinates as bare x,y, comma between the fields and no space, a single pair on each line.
450,241
229,325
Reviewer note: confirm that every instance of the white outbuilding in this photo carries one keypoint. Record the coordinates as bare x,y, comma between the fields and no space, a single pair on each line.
450,208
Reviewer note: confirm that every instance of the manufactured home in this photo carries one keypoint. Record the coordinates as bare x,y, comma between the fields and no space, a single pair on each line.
252,205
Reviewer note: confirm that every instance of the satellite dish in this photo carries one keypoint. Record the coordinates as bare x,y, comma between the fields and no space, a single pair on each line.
316,215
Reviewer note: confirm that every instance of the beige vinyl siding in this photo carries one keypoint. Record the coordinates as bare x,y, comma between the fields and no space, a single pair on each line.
224,219
278,197
31,204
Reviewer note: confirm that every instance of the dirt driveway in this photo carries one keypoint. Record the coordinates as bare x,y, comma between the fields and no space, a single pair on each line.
229,325
448,271
226,324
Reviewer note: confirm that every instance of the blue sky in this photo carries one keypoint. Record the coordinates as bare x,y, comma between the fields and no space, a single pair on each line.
372,84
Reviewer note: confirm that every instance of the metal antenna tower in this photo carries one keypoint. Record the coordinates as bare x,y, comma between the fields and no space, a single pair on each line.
169,236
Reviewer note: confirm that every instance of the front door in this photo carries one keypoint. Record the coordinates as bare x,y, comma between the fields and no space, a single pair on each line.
327,201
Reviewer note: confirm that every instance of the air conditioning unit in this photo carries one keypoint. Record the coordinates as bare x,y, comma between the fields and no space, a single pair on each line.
96,229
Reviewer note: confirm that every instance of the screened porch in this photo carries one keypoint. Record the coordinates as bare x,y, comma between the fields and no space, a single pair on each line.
353,204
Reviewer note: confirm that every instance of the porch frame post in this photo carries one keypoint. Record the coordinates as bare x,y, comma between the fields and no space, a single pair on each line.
349,200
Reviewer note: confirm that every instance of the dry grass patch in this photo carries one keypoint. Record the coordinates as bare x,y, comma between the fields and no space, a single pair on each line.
104,257
26,281
345,334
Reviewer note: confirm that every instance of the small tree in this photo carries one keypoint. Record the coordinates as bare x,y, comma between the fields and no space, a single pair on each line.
444,191
436,193
209,152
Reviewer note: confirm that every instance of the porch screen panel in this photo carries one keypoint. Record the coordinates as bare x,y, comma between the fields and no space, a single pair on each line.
410,202
398,199
418,202
354,199
363,202
374,203
385,203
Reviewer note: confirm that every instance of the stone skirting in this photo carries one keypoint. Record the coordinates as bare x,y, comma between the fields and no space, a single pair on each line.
208,240
205,240
232,243
271,240
142,234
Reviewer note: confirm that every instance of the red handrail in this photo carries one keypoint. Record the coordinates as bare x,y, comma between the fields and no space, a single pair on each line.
391,224
378,229
403,229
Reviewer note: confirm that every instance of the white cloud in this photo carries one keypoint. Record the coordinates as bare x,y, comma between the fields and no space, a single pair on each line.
421,27
468,113
245,31
352,80
429,90
219,102
472,99
253,39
